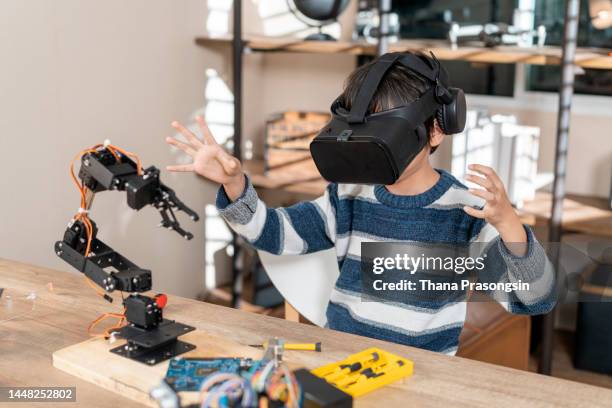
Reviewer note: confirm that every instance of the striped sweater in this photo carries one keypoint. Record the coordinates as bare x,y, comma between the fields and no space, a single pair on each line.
347,215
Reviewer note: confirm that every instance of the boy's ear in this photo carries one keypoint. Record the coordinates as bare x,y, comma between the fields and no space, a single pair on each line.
436,135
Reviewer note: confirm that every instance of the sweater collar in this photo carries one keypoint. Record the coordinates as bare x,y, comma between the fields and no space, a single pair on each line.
415,201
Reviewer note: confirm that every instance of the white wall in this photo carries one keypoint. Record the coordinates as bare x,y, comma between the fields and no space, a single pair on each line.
74,73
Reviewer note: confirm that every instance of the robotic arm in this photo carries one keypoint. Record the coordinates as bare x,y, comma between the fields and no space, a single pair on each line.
110,170
150,337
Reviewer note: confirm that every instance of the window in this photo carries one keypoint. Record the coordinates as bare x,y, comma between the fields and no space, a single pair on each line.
432,19
547,78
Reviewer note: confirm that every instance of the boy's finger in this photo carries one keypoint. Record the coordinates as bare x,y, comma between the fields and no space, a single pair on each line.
208,136
479,168
180,167
488,172
474,212
481,181
183,146
484,194
195,142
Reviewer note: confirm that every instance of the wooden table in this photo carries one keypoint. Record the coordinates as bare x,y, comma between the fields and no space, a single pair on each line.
64,306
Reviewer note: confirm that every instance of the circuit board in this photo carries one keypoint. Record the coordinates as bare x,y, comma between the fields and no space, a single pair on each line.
187,374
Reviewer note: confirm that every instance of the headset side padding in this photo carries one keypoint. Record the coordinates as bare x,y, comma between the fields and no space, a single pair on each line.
451,117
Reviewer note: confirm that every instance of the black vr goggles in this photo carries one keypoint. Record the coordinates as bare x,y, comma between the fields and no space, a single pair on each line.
374,148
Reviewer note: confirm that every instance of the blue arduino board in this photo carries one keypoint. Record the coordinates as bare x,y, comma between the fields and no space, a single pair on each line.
187,374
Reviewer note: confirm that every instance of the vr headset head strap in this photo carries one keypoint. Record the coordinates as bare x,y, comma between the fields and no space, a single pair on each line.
416,64
369,86
434,72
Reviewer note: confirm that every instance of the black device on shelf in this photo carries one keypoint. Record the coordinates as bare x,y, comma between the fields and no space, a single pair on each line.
149,337
430,19
317,13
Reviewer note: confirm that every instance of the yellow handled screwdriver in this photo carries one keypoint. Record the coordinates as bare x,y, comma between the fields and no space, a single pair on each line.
294,346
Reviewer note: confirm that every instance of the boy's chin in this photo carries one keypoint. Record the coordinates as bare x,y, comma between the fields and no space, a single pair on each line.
415,165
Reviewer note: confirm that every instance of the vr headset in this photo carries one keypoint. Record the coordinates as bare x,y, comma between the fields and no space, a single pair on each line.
361,147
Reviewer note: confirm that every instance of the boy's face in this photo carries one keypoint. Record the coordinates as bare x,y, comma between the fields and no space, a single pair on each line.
422,158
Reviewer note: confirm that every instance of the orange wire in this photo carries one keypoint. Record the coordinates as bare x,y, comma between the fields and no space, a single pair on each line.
89,228
114,153
94,287
106,333
83,216
129,154
82,190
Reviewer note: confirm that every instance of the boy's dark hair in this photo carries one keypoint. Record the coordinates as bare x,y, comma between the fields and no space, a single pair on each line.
399,87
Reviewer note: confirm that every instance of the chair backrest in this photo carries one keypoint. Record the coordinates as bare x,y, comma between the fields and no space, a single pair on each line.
305,281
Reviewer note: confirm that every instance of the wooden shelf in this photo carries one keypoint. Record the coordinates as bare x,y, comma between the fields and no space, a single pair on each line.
585,58
584,214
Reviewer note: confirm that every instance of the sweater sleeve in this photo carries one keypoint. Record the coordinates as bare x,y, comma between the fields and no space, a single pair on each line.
503,266
305,227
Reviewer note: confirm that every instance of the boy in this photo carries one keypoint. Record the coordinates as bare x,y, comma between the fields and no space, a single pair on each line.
423,205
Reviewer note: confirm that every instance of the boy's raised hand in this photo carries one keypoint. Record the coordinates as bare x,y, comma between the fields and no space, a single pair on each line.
498,210
210,160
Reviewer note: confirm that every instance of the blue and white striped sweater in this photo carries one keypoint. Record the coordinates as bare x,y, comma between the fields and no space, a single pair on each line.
347,215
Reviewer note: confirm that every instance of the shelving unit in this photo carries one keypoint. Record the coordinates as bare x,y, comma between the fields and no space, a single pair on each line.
585,58
566,57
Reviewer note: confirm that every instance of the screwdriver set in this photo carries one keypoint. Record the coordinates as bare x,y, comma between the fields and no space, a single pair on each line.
365,371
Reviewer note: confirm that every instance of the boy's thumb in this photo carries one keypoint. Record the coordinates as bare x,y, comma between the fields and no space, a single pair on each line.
229,164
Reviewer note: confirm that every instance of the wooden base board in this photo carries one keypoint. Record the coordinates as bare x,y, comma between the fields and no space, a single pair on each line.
92,361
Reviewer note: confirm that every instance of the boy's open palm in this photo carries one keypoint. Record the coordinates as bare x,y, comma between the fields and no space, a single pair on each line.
497,205
210,160
498,210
